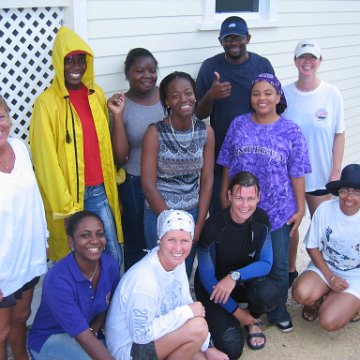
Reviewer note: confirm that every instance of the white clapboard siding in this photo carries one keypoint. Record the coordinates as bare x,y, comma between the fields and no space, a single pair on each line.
102,9
170,29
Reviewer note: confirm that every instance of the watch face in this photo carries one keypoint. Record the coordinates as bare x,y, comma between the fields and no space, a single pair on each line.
235,275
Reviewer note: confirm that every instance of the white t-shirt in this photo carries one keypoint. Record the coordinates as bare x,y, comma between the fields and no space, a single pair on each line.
148,303
22,223
320,115
338,238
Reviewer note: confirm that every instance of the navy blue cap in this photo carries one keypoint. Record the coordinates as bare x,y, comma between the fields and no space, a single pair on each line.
233,26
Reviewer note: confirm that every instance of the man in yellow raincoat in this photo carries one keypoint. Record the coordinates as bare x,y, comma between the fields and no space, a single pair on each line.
71,147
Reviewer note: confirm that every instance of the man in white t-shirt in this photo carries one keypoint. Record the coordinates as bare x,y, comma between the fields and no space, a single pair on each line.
330,287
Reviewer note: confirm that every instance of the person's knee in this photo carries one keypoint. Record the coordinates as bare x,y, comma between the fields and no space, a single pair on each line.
263,296
297,294
330,321
198,329
328,325
232,343
301,294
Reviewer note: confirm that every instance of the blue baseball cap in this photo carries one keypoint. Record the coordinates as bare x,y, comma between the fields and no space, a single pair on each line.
233,25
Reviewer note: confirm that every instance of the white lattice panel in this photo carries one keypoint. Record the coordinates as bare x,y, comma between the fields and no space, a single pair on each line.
27,36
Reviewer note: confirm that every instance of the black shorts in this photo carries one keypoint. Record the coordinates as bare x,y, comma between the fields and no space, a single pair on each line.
143,351
321,192
10,300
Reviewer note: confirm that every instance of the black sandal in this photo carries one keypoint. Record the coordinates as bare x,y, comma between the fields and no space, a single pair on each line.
310,313
255,335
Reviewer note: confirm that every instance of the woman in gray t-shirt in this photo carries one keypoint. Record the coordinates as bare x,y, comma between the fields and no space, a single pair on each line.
132,113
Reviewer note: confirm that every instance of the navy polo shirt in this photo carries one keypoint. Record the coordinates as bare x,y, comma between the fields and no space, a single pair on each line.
69,302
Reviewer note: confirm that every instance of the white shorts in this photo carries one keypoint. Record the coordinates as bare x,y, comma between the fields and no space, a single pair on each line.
354,281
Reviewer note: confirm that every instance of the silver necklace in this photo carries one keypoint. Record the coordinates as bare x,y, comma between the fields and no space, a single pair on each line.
192,133
94,273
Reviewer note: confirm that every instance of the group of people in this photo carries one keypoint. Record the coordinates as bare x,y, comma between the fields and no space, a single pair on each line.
232,192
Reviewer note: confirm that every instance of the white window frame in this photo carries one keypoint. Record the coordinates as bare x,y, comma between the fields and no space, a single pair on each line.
266,17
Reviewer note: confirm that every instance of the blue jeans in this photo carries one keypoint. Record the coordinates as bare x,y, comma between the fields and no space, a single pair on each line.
279,274
150,231
95,200
132,198
61,346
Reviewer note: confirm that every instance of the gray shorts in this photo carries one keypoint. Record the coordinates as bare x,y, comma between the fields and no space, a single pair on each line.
143,351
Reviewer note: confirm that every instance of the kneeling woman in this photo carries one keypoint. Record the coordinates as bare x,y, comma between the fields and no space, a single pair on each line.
235,255
330,286
152,315
75,296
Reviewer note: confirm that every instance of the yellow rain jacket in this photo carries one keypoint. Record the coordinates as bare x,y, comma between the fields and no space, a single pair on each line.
56,141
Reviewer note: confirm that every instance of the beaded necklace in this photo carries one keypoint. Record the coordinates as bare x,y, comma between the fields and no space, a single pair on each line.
192,133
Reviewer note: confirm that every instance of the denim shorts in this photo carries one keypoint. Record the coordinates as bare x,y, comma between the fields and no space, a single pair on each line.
10,300
143,351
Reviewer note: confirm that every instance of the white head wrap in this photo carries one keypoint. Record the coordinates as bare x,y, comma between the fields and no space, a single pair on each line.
174,220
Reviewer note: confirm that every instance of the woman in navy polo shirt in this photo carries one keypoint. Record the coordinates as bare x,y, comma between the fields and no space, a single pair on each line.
75,296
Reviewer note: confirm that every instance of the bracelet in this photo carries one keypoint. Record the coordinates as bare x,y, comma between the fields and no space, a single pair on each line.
93,332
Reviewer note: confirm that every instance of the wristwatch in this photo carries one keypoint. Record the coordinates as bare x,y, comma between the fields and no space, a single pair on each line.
235,275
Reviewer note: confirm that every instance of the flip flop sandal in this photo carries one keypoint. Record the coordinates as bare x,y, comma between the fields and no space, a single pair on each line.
310,314
356,317
255,335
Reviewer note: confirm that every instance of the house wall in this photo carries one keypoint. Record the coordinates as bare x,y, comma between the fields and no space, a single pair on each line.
170,29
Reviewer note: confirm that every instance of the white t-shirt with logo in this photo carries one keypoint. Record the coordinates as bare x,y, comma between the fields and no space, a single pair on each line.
337,236
320,115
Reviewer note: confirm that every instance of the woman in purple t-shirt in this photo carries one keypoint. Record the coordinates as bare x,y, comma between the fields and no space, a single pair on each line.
274,149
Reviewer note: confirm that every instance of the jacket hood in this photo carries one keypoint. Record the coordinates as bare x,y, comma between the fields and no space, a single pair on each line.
66,41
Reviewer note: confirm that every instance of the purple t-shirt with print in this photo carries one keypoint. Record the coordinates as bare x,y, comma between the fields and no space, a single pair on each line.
275,153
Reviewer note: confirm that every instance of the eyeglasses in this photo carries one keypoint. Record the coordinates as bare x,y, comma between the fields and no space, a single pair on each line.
345,192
